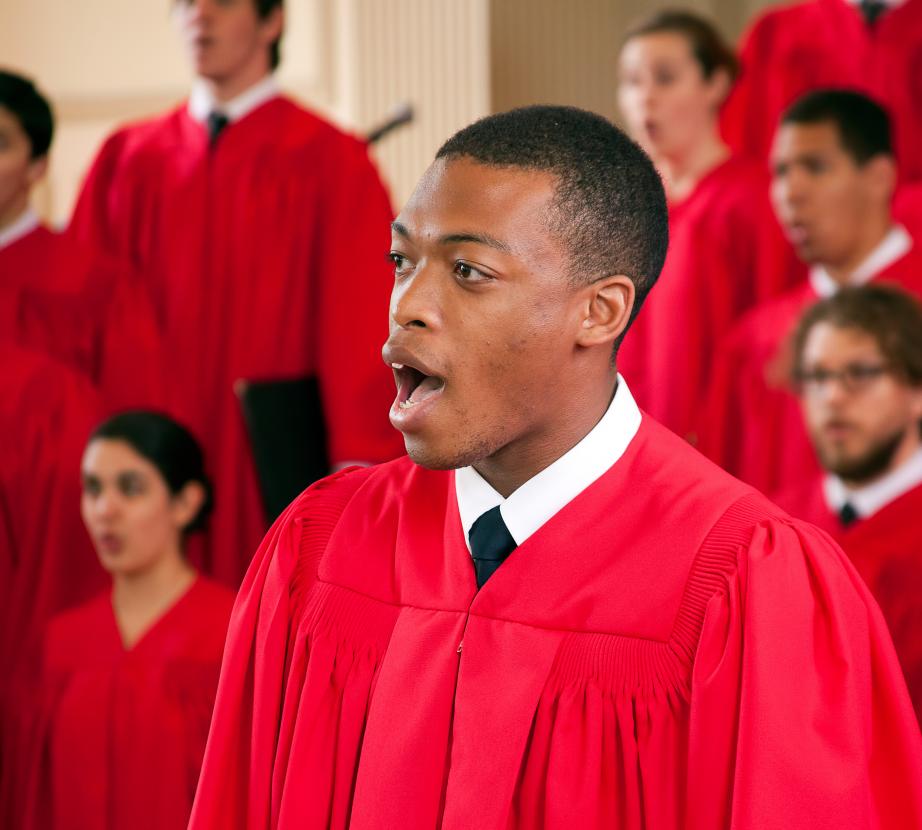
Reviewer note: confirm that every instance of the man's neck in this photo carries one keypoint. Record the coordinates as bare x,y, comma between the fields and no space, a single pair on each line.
13,211
20,226
682,172
226,89
513,465
874,233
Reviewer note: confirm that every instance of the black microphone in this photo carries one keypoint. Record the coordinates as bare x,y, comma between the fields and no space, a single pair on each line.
400,115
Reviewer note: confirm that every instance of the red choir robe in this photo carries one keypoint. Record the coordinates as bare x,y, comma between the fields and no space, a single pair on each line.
726,252
86,310
826,43
751,423
240,248
627,667
125,728
886,549
907,207
47,562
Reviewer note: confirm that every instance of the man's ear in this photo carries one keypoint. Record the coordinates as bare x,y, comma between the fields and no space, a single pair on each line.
719,85
273,25
606,310
880,172
37,170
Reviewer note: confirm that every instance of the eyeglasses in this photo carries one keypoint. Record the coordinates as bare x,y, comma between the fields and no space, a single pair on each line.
855,378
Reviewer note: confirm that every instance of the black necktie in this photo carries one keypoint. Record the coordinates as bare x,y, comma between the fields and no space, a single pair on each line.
216,122
491,543
872,9
847,515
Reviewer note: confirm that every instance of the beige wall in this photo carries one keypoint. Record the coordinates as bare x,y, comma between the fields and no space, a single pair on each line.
103,62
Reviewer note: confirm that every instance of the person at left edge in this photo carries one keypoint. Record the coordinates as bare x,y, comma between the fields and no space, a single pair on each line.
129,676
69,300
46,560
262,230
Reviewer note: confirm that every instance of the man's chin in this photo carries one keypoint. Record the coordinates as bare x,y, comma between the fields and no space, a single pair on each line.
433,456
866,466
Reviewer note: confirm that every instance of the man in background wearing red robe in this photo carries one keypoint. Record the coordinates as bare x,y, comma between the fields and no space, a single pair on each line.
858,365
56,296
832,184
555,613
262,231
874,46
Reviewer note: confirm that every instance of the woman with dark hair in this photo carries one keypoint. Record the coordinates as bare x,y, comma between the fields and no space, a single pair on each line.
726,249
131,675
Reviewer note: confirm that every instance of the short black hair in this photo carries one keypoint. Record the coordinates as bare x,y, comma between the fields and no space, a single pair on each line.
863,124
610,206
891,316
264,8
168,445
30,108
708,46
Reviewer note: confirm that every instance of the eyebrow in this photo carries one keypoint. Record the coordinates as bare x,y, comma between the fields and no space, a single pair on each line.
455,238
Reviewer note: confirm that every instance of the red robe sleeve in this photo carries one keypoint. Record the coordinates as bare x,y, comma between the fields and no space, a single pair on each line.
822,728
747,122
353,285
100,202
105,326
245,764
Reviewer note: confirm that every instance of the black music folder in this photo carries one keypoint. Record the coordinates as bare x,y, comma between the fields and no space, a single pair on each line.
284,419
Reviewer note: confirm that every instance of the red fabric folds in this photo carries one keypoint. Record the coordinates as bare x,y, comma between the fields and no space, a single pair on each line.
266,259
885,550
86,310
726,253
626,667
124,729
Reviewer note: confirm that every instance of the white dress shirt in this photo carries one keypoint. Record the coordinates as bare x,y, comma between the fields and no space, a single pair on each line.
895,245
543,495
202,102
27,222
872,497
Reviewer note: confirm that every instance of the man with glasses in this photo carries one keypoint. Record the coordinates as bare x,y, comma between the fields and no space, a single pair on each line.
858,372
833,177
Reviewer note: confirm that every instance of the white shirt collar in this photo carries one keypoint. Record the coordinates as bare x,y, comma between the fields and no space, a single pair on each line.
202,102
895,245
543,495
890,4
27,222
869,499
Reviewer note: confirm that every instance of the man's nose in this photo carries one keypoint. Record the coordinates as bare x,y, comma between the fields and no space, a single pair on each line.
415,300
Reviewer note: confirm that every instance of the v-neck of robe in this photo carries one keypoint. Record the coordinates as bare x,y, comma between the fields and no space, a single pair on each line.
150,632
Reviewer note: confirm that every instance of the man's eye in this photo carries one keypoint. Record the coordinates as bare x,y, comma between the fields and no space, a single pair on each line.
468,272
400,262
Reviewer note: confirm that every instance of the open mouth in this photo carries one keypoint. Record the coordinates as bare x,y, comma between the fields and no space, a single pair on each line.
414,386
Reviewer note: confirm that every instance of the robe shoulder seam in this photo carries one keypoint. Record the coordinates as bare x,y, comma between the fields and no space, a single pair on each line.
316,515
715,563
